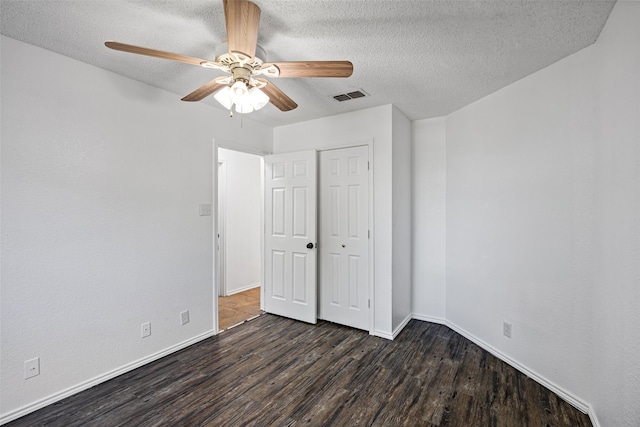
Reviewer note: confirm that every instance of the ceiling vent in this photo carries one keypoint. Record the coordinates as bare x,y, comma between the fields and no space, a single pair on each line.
350,95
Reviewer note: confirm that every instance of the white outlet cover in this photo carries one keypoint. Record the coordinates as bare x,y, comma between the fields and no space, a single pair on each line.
146,329
184,317
31,368
506,329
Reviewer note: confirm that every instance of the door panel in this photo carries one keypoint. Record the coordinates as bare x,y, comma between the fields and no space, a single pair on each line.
290,224
344,238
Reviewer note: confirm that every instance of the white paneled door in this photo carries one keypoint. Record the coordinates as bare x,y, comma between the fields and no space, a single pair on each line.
344,236
290,235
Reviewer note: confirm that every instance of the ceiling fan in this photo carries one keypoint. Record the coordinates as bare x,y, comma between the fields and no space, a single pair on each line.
243,59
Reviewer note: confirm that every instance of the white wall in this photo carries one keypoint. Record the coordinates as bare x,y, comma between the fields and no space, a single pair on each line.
242,203
101,181
543,222
429,219
401,164
616,299
520,217
357,128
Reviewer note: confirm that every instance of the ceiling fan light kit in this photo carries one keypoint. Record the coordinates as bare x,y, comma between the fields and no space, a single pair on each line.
245,100
242,58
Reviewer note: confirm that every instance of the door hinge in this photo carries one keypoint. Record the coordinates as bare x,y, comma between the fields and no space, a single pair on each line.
368,303
368,234
367,165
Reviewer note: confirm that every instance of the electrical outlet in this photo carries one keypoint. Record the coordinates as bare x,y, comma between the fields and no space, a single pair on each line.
506,329
184,317
31,368
146,329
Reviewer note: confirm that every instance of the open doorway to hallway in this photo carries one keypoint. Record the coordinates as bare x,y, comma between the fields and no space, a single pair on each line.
239,241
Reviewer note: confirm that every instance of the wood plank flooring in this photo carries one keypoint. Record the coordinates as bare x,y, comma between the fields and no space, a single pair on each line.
238,307
273,371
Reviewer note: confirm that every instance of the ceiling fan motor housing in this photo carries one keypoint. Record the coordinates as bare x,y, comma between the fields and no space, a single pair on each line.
241,72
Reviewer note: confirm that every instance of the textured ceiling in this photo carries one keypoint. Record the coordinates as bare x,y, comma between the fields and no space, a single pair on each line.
429,58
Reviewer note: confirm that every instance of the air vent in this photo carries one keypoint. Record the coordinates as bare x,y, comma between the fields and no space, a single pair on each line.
350,95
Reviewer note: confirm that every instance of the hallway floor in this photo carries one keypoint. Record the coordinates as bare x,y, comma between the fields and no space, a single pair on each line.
238,307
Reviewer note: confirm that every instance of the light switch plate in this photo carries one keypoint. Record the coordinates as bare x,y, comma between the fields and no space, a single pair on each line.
205,209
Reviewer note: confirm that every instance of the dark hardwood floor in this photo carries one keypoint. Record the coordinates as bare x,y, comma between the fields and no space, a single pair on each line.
273,371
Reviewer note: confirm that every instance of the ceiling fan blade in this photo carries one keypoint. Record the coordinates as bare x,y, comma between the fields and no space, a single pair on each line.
242,19
277,97
154,53
204,91
309,69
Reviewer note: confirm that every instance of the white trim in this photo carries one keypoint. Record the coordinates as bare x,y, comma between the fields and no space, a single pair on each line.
229,145
244,288
262,228
561,392
430,319
381,334
216,252
593,417
574,401
221,234
401,326
372,239
55,397
396,331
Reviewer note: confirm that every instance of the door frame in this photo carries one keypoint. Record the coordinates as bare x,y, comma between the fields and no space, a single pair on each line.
230,145
369,144
221,230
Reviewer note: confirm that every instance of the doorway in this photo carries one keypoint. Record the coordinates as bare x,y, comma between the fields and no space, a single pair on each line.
239,237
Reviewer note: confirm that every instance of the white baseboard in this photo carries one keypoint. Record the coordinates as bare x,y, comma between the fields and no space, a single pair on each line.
574,401
381,334
401,326
394,334
245,288
431,319
32,407
593,417
564,394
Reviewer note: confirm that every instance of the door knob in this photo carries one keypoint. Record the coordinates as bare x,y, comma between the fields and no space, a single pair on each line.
343,245
309,245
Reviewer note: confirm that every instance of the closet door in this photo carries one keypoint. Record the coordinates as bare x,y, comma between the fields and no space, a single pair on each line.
290,235
344,236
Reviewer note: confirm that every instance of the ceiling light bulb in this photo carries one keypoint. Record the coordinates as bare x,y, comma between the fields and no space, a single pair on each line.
239,92
258,98
223,96
244,108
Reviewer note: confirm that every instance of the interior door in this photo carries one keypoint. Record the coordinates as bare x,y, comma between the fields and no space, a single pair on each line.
290,235
344,236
